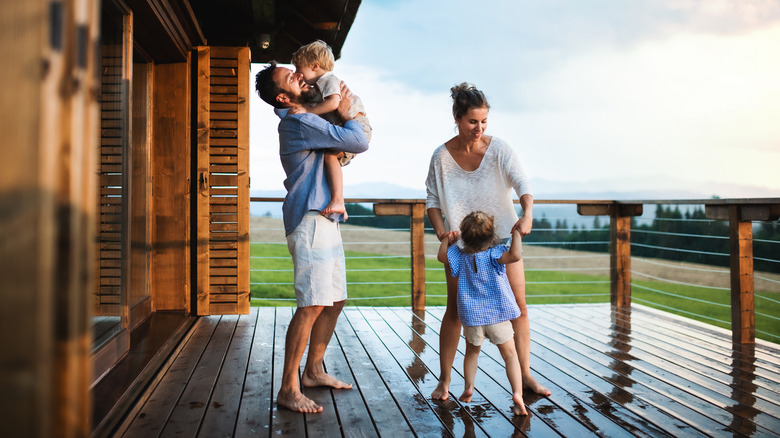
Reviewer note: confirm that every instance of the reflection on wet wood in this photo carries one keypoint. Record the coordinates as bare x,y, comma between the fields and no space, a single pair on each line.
612,372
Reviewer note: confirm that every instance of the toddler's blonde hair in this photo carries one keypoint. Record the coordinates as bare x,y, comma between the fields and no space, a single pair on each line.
477,231
318,52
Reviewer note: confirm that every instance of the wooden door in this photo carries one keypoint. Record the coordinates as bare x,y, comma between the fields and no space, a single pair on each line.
222,181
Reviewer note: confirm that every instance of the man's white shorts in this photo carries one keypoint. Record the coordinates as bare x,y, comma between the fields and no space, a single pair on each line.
318,260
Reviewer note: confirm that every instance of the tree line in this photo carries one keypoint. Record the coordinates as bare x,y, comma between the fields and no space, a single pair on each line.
673,234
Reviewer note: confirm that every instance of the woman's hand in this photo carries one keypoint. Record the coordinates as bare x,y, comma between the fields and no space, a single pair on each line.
523,225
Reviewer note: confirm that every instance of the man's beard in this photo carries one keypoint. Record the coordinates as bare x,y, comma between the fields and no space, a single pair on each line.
309,96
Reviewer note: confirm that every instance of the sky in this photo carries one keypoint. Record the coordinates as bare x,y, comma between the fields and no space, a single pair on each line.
658,95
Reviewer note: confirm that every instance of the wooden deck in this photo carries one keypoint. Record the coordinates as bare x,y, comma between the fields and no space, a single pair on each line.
638,373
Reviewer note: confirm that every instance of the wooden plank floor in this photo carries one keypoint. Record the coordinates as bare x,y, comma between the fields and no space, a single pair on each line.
640,373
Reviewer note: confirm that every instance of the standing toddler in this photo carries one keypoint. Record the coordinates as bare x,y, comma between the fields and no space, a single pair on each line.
486,304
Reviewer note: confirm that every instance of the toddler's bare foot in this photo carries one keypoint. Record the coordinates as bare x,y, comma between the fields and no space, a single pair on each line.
536,387
466,396
335,206
296,401
323,380
442,391
519,406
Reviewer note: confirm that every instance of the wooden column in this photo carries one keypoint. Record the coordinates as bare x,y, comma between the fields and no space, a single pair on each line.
740,217
743,317
47,116
620,259
619,246
418,257
416,211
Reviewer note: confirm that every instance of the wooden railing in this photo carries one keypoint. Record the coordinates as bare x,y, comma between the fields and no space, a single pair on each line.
740,214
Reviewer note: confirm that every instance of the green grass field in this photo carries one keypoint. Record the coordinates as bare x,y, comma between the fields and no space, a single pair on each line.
376,280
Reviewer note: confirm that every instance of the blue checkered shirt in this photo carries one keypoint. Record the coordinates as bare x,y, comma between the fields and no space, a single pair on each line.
484,294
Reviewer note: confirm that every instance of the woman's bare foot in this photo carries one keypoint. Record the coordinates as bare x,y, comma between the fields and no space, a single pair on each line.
531,384
335,206
466,396
519,407
323,379
442,391
296,401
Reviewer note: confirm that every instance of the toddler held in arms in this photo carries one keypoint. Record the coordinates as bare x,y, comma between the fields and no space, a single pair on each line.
486,304
315,62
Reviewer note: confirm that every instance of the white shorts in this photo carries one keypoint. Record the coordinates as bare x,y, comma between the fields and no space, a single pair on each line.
498,333
318,261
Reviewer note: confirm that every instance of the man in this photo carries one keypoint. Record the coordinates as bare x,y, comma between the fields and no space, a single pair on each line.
314,240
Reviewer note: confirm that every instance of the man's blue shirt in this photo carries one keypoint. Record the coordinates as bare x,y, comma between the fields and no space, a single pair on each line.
303,140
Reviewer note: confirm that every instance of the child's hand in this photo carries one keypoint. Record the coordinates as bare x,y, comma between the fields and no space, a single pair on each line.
523,225
452,237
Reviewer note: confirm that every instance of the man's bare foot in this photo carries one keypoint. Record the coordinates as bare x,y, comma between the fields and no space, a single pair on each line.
335,206
296,401
519,407
466,396
442,391
534,386
323,379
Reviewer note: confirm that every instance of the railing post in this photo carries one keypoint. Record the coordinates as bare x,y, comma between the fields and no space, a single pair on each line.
416,211
418,256
740,217
743,310
619,246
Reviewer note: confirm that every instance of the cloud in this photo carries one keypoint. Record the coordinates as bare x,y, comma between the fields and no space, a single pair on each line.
581,90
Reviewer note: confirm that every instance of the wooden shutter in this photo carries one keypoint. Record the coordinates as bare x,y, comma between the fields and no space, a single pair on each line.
112,195
222,180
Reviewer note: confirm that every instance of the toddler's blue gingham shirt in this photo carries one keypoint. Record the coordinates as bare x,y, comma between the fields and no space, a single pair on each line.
484,296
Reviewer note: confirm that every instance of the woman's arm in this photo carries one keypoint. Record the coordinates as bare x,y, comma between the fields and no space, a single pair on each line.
437,221
442,254
525,223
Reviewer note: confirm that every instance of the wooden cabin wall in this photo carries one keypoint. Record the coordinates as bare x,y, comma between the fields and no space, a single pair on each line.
170,168
48,114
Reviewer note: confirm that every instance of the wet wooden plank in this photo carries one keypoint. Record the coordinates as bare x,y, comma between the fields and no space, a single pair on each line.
546,347
254,416
417,411
222,409
731,395
283,421
647,386
380,404
412,354
675,381
152,418
191,406
351,407
710,344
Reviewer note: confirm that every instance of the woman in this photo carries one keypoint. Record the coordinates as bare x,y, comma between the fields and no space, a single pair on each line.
472,171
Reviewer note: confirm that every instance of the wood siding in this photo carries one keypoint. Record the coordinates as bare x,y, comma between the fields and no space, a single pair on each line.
222,180
171,170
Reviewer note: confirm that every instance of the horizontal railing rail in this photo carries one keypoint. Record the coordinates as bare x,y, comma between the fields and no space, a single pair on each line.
660,245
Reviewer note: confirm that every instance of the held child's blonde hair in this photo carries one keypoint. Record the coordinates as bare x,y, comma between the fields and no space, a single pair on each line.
318,52
477,231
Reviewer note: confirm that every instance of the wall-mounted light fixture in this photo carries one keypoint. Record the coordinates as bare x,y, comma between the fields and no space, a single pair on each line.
265,41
